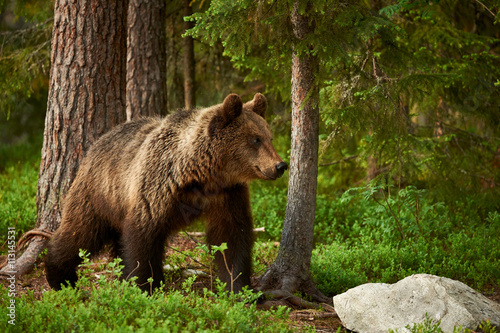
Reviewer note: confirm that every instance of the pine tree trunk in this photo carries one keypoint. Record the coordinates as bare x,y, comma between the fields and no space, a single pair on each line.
291,269
146,59
189,64
86,99
175,79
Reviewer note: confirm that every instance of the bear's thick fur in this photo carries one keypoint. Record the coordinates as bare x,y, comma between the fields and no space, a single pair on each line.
148,178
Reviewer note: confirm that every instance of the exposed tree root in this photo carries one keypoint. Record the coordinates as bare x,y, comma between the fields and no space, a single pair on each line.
25,263
29,235
279,288
295,301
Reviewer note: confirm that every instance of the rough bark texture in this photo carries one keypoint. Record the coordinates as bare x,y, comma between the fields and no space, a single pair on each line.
175,80
146,59
290,270
86,98
189,64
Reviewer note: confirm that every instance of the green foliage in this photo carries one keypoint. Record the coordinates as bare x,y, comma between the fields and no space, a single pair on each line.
380,233
108,304
415,89
18,178
430,325
251,31
264,253
25,54
28,10
268,208
486,327
422,90
385,238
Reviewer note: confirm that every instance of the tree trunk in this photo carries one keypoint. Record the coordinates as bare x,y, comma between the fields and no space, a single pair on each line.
86,99
290,270
146,59
189,64
175,85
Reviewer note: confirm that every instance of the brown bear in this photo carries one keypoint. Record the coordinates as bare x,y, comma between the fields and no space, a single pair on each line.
148,178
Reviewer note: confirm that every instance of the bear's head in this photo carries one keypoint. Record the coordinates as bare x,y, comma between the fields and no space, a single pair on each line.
246,139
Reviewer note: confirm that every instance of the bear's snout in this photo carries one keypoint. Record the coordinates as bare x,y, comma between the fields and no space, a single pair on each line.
280,168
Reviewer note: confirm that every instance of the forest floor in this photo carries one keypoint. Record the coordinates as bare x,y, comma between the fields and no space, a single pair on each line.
36,282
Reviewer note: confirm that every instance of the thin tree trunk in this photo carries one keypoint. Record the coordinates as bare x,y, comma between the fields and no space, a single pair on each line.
175,88
291,269
86,98
189,64
146,59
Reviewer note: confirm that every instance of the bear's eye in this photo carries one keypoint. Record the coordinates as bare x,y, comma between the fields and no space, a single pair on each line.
256,142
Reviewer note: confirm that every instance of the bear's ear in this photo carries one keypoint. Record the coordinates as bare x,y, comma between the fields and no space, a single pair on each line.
260,104
231,108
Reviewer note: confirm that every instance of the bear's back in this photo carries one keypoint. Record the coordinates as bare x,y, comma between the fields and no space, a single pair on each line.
123,140
120,158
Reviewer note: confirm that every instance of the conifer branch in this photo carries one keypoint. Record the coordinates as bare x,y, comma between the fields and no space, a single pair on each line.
489,10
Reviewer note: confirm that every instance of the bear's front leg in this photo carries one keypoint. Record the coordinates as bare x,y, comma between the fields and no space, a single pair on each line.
230,221
142,253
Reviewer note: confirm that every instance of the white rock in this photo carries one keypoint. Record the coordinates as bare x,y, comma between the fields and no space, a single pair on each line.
378,307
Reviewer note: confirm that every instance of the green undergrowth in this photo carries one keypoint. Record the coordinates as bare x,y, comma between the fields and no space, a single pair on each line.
382,234
19,165
377,233
109,304
429,325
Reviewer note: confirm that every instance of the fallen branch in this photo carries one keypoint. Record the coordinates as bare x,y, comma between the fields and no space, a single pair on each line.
311,315
202,234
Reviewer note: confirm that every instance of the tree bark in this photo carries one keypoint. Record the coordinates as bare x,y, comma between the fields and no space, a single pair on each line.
189,64
291,269
86,99
175,78
146,59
